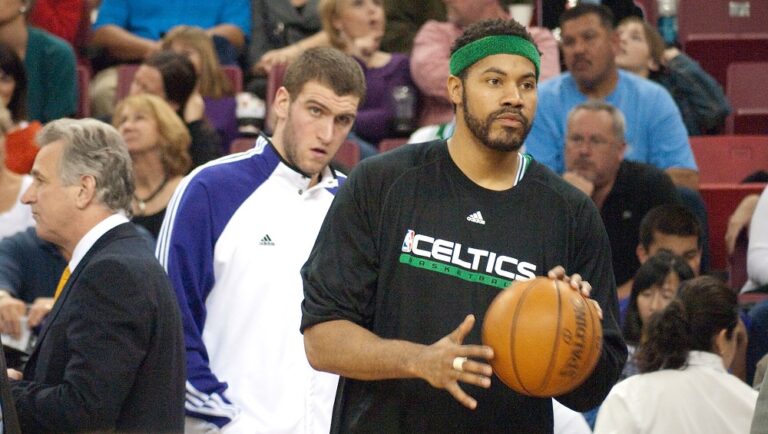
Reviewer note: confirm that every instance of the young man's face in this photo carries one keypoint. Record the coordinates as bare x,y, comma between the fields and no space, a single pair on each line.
685,246
314,125
497,100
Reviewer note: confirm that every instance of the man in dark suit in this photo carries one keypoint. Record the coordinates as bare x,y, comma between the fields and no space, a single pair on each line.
111,355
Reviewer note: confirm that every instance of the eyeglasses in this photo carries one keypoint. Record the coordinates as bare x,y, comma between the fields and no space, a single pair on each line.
577,140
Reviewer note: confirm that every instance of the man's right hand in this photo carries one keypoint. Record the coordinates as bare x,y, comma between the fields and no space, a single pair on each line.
11,311
436,363
580,182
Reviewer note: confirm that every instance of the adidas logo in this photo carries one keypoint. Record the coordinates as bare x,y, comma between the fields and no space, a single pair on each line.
476,217
266,241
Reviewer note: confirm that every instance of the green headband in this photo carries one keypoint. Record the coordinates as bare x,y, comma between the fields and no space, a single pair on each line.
467,55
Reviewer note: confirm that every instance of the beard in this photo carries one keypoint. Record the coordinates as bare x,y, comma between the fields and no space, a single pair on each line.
509,141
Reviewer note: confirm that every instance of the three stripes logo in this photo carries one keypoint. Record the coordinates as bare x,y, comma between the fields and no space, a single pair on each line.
266,241
476,217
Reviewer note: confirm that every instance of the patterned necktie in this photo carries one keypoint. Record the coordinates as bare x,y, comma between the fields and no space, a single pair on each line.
62,282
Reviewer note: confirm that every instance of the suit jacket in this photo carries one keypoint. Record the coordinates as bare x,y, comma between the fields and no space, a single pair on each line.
111,356
10,421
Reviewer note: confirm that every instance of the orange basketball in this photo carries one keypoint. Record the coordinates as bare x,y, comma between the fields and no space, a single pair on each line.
546,337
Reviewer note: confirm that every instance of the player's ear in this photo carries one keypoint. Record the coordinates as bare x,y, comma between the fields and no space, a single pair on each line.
455,89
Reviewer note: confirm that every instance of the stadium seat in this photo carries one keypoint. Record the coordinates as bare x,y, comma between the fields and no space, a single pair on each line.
241,144
235,76
715,51
348,155
748,98
721,200
720,16
729,159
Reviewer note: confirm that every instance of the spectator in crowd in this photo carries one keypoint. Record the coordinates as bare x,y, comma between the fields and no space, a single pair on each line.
29,270
739,221
757,252
699,97
553,9
171,76
239,230
365,305
684,385
405,18
671,228
654,286
111,357
20,145
655,131
59,17
356,27
14,215
212,83
48,61
131,31
158,143
277,25
623,191
432,48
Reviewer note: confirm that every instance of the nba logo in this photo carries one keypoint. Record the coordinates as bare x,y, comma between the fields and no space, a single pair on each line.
408,241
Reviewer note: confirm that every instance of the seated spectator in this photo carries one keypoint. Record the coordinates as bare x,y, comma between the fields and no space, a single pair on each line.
49,63
699,97
14,216
20,145
277,25
172,77
158,143
130,31
405,18
432,47
212,84
356,28
29,270
757,252
684,385
655,131
623,191
654,286
59,17
674,229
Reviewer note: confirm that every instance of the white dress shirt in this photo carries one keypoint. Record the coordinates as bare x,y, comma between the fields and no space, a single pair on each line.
701,398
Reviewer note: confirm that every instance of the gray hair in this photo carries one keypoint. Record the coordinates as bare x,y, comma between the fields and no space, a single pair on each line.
617,117
93,148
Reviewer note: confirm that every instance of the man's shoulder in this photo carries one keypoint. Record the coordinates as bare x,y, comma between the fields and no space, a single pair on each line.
406,157
40,39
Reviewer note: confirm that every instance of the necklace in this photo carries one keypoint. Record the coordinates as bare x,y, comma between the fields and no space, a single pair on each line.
142,203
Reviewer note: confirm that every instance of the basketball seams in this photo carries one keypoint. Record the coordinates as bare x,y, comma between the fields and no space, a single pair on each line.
595,332
556,344
513,336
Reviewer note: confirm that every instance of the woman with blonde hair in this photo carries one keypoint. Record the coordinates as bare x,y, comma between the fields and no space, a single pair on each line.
356,27
14,216
158,142
212,84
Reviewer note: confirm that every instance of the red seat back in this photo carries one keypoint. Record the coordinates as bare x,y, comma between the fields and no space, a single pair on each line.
729,159
83,80
721,201
715,52
748,98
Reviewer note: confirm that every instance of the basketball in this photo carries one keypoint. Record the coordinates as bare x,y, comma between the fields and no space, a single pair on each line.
546,337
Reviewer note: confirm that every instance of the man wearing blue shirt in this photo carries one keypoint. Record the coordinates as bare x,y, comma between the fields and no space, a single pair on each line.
655,131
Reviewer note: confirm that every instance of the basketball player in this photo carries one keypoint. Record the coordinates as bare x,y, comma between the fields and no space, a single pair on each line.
421,239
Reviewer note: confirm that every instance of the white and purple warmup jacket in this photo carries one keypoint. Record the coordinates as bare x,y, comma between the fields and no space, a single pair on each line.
235,236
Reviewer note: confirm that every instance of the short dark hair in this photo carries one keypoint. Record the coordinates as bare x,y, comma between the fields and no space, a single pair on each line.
669,219
484,28
652,272
11,64
603,13
179,76
329,67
